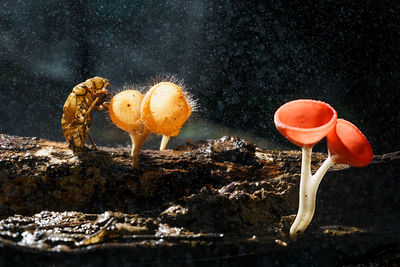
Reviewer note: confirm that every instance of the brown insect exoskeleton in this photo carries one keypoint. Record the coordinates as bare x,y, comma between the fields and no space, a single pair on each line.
76,119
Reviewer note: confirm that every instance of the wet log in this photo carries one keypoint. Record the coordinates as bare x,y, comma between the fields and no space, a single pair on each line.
38,175
224,200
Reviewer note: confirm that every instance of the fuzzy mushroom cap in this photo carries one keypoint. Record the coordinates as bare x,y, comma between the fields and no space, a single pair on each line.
165,109
124,110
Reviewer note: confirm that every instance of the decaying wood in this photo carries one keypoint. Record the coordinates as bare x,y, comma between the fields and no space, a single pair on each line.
41,175
194,196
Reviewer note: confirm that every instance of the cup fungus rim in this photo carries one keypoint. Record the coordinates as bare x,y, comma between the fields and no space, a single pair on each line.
280,124
349,152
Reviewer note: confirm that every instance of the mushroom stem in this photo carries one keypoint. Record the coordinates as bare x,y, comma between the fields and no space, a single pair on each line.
308,192
137,143
164,142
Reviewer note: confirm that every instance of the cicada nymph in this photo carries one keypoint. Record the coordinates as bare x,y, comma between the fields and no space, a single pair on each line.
77,119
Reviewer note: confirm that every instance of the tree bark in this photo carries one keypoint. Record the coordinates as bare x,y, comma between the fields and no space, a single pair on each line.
225,192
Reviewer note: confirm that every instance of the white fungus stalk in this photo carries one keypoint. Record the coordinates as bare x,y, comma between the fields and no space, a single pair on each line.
164,142
308,191
137,144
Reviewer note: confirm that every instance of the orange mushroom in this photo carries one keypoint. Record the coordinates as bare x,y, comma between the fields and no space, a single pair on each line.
304,123
124,111
164,110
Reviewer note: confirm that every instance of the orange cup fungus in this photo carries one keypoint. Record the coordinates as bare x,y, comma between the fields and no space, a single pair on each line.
164,110
124,111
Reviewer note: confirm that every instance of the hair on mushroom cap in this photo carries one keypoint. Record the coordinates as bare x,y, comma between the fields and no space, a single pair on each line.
165,109
125,110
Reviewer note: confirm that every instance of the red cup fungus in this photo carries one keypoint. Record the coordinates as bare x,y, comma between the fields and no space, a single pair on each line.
347,145
305,122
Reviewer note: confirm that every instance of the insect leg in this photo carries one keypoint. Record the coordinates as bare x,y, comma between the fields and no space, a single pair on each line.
91,106
105,105
91,140
88,122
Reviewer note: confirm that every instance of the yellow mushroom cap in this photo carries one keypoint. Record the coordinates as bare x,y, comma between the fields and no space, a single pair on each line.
165,109
124,110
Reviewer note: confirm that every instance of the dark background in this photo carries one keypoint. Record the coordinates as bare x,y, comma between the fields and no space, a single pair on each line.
240,59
